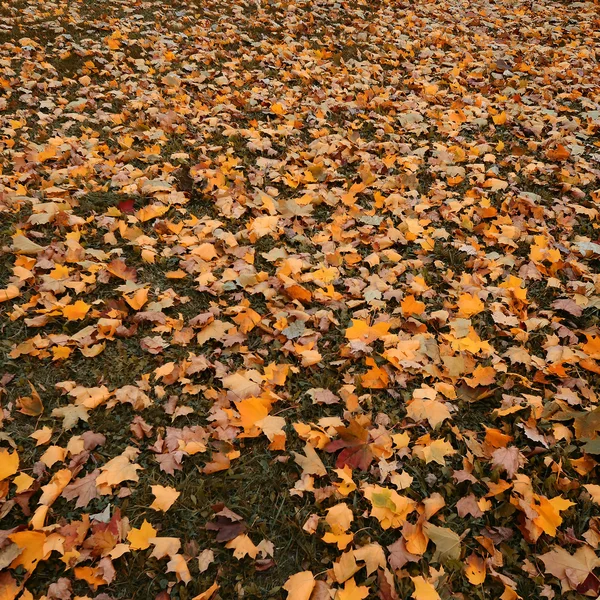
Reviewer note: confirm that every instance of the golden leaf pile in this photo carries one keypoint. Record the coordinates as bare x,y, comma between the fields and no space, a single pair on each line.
299,299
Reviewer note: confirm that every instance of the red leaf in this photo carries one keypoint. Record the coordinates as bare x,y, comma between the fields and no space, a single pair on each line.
126,206
357,450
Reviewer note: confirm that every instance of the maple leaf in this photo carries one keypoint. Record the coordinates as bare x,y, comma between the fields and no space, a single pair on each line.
178,565
361,330
481,376
388,506
468,506
9,588
243,384
347,485
23,482
469,305
423,589
548,511
9,293
251,411
300,586
242,546
32,545
322,396
93,576
415,536
23,245
376,377
572,570
55,487
9,463
227,524
118,268
247,319
593,490
126,206
311,463
508,459
433,411
411,306
357,452
119,469
434,451
139,539
71,415
352,591
165,497
586,423
372,555
76,311
165,546
339,518
31,405
399,555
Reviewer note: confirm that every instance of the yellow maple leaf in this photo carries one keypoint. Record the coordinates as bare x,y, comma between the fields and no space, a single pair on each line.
247,319
165,546
352,591
411,306
178,565
361,330
481,376
500,118
434,411
93,576
549,512
119,469
138,299
9,463
376,378
76,311
416,538
435,451
278,109
339,518
311,463
388,507
300,586
251,411
164,497
54,488
23,482
32,544
242,546
469,305
423,589
139,539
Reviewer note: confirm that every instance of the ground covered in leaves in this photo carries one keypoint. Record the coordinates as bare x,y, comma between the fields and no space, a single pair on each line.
299,299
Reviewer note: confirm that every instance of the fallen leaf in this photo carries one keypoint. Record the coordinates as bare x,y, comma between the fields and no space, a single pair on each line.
423,589
165,497
139,539
300,586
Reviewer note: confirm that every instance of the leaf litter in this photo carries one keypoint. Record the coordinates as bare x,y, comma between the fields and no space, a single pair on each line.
299,299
